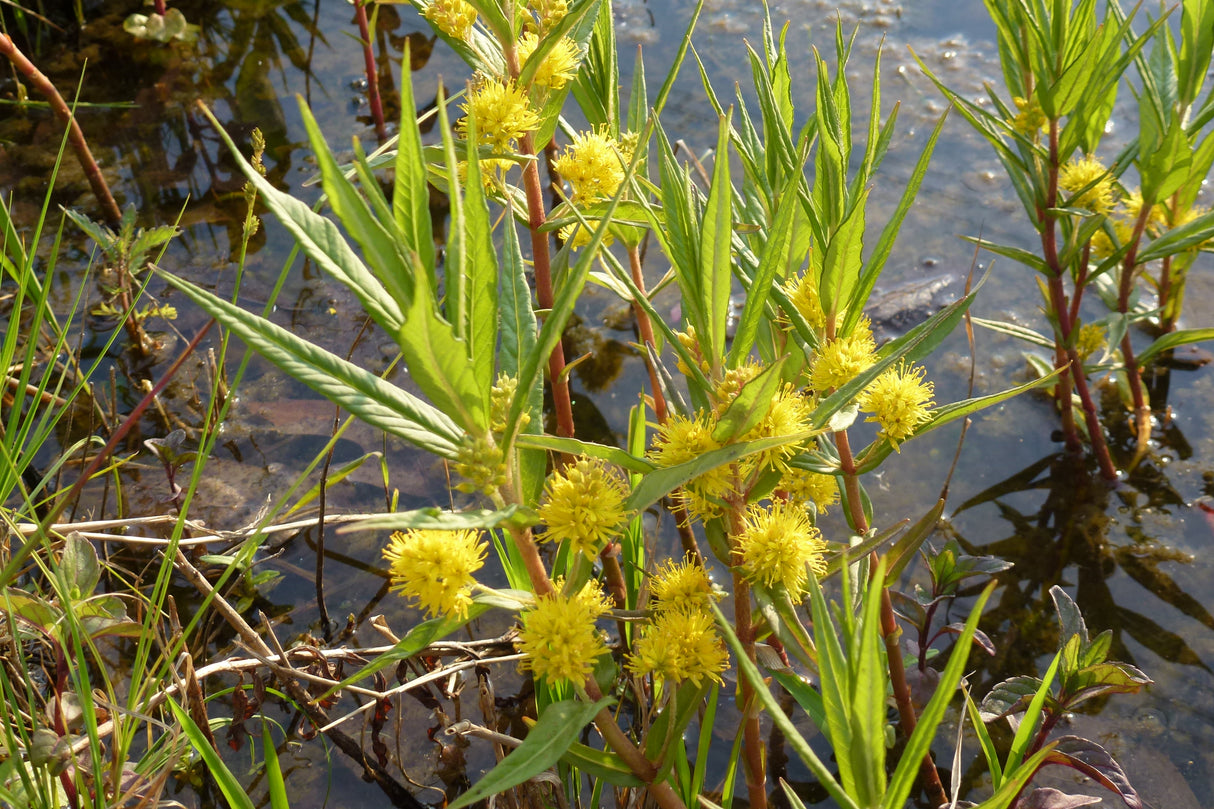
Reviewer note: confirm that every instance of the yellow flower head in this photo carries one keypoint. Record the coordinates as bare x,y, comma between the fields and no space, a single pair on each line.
559,637
1090,174
584,504
435,568
681,586
1103,246
682,439
1029,118
812,490
899,401
691,343
591,165
839,361
780,547
550,12
501,111
788,415
559,66
1089,340
680,645
453,17
1156,221
802,292
732,382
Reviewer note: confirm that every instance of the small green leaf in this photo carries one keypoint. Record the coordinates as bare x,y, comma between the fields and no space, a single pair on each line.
79,565
751,405
558,727
572,446
235,794
601,764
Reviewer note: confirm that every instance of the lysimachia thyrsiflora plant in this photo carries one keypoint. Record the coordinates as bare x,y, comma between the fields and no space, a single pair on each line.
748,446
1063,65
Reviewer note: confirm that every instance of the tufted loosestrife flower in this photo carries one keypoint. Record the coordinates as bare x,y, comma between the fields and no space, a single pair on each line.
1089,173
682,439
839,361
559,66
559,636
584,504
802,292
435,568
813,490
453,17
779,547
899,401
550,12
681,586
591,165
1030,119
788,415
501,111
680,645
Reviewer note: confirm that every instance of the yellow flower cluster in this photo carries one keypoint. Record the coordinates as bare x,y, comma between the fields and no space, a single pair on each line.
1089,183
898,400
1030,119
839,361
500,399
680,645
453,17
559,65
1089,340
584,505
811,489
435,568
802,292
683,439
559,635
681,586
481,464
592,166
549,12
501,111
779,547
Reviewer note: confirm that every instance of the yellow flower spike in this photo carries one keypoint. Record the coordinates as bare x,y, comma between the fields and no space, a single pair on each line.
1089,340
501,111
560,638
453,17
682,439
584,505
591,165
560,64
779,547
802,293
1080,173
899,401
812,490
1156,221
839,361
435,568
732,382
681,586
482,465
500,398
680,645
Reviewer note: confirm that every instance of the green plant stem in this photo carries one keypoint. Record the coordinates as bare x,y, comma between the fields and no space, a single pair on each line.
1170,310
1142,410
890,633
43,85
753,757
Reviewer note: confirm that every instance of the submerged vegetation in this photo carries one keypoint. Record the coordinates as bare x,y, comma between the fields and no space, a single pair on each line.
732,543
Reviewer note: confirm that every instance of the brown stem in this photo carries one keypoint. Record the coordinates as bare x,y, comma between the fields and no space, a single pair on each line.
42,84
752,738
645,330
161,7
364,35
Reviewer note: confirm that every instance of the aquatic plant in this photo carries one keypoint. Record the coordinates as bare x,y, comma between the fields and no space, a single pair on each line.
1063,66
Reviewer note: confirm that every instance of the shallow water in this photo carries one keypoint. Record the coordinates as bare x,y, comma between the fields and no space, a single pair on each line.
1132,558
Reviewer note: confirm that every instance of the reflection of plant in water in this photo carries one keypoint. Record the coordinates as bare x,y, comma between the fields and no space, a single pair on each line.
1070,530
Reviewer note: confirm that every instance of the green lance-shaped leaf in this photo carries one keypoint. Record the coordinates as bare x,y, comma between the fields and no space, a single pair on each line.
438,362
558,727
274,778
1196,48
842,262
795,740
572,446
235,794
1173,340
578,24
920,741
597,86
716,264
478,325
393,269
435,519
360,392
751,405
321,241
411,189
601,764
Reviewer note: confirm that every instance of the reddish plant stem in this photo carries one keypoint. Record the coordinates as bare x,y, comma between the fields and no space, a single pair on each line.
645,330
752,734
43,85
1065,355
161,7
373,99
890,632
1142,410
